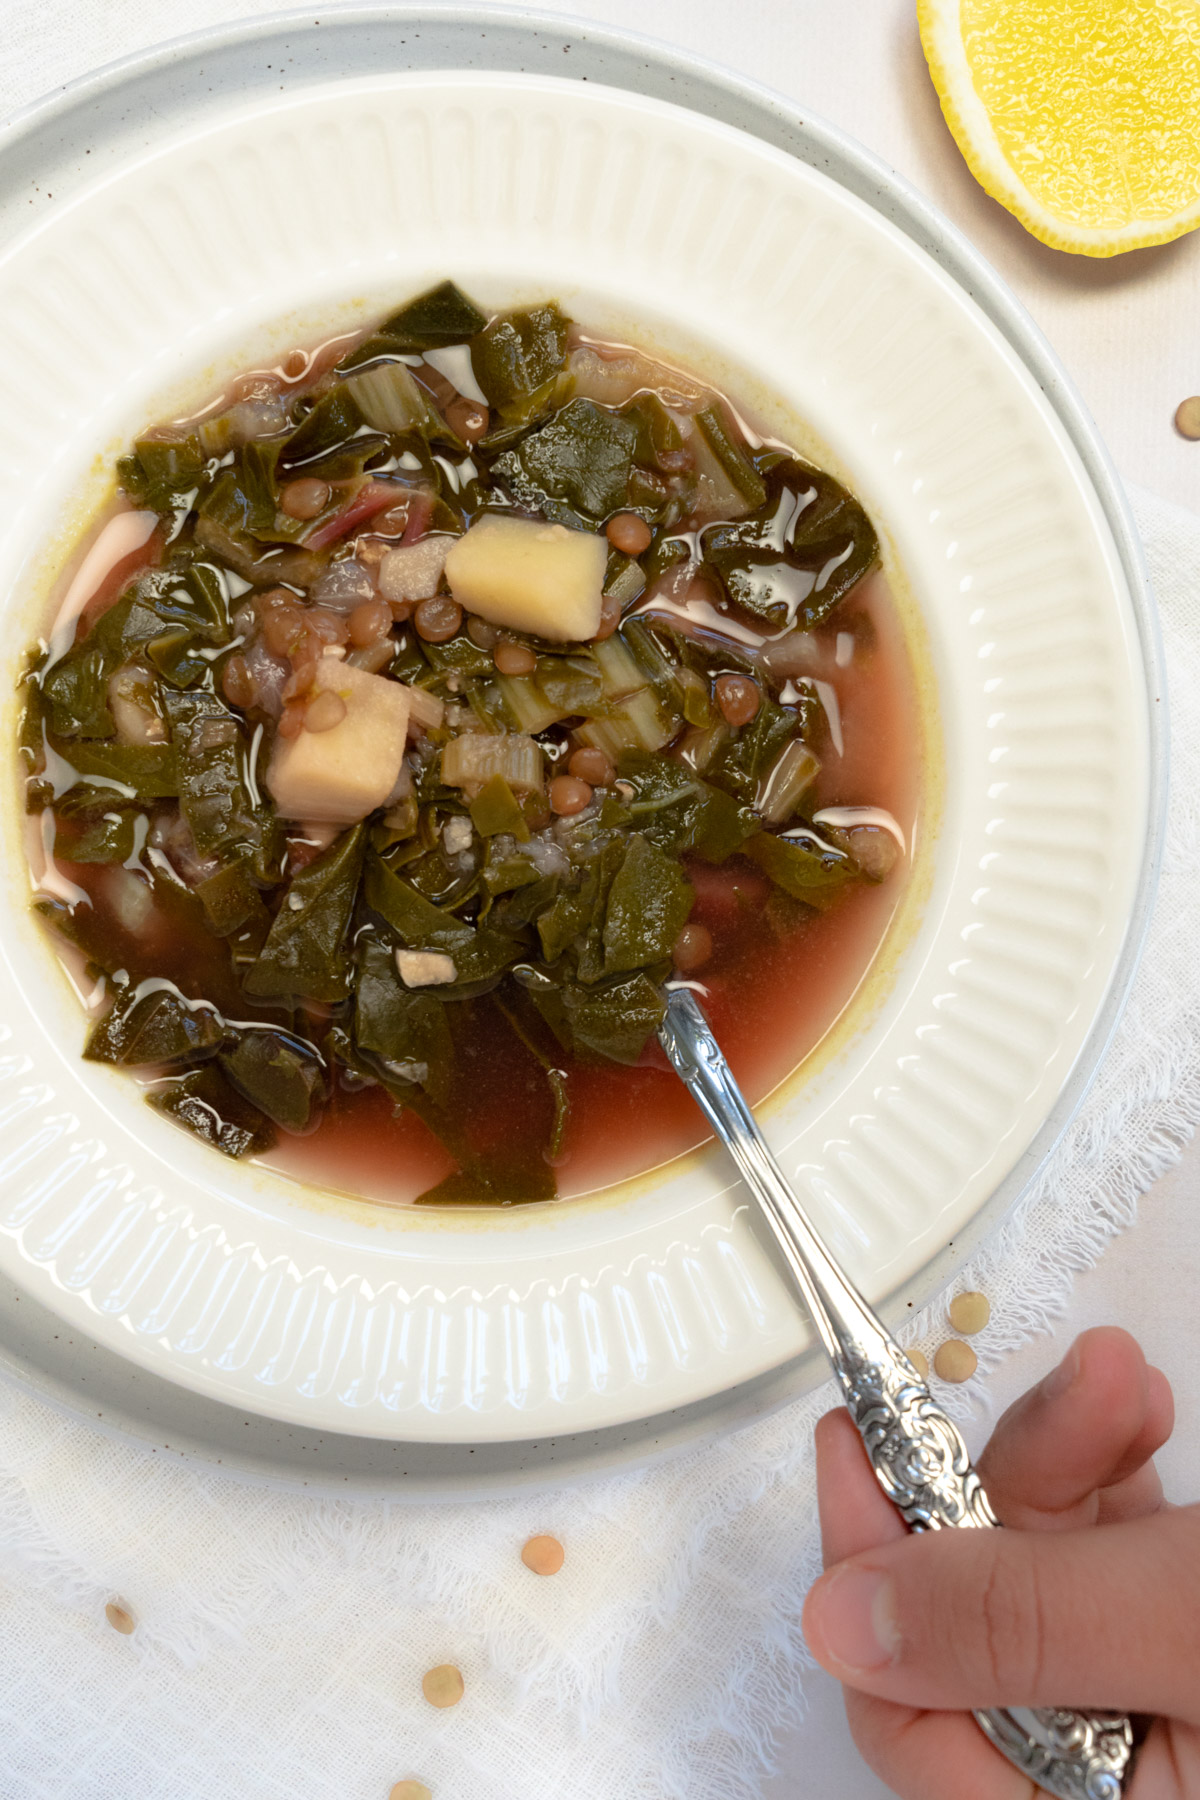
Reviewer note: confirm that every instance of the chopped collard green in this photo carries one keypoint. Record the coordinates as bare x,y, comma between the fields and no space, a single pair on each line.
410,756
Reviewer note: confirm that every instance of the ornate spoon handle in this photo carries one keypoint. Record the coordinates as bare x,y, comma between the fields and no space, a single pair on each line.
915,1450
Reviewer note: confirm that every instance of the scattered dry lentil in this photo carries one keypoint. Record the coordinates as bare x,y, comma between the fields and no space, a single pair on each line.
120,1618
410,1790
544,1555
443,1686
1187,417
969,1313
919,1361
955,1361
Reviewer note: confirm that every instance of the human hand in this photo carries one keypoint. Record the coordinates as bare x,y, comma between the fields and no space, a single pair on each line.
1091,1599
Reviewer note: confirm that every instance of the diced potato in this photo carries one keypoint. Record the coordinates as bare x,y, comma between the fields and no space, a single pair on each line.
529,576
414,571
425,968
339,775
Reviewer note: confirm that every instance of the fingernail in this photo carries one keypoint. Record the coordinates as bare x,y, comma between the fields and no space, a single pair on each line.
857,1618
1059,1380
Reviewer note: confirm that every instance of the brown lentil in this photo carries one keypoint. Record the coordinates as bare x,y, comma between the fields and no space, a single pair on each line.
330,627
954,1360
410,1790
120,1618
370,622
629,534
544,1555
443,1686
291,721
482,633
568,795
392,522
1187,417
969,1313
305,498
514,659
919,1361
693,947
438,618
467,417
738,697
284,627
592,766
237,683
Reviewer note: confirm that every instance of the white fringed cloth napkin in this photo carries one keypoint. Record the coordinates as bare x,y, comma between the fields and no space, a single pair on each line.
281,1640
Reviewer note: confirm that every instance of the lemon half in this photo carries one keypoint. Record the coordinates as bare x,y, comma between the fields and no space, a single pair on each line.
1082,117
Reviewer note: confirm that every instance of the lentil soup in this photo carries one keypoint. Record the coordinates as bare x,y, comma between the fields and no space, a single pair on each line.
420,708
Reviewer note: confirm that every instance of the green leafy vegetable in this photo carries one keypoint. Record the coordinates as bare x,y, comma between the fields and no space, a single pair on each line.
147,771
211,760
442,316
231,901
648,906
104,838
406,1029
159,1027
754,748
518,359
306,950
496,809
206,1105
802,865
161,469
679,812
582,457
332,423
279,1074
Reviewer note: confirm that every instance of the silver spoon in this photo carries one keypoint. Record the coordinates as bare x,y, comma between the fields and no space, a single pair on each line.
915,1450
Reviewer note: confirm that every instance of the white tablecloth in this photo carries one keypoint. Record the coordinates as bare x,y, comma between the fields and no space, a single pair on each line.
1126,330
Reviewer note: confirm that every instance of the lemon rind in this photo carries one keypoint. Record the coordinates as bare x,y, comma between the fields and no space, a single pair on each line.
971,128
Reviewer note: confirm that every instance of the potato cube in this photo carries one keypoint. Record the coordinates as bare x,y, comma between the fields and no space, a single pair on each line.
529,576
339,775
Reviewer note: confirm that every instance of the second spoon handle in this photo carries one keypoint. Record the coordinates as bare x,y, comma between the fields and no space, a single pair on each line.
916,1451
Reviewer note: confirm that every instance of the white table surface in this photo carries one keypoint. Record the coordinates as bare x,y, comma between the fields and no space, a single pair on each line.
1128,331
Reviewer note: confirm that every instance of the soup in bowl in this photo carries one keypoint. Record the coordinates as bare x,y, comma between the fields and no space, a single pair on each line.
421,708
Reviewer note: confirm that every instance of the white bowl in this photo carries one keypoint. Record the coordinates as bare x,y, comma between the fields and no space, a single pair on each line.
331,203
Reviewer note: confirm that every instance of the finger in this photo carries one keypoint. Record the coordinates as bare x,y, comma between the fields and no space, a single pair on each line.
1092,1423
931,1755
1132,1495
855,1513
957,1619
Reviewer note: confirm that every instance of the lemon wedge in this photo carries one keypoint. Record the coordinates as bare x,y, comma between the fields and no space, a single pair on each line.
1082,117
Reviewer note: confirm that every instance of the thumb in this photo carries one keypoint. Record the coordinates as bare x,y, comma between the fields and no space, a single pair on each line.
1108,1616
